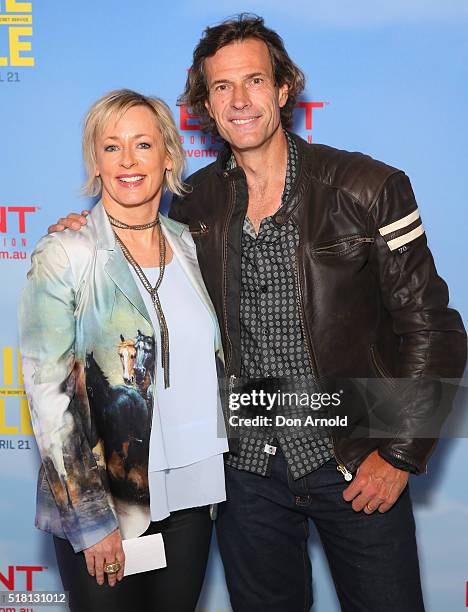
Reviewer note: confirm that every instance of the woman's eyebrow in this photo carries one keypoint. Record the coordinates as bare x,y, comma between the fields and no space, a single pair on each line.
136,136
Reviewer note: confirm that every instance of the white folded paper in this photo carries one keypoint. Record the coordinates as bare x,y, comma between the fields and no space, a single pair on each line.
144,554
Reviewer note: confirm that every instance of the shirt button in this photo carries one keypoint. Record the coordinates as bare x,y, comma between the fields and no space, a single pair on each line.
226,174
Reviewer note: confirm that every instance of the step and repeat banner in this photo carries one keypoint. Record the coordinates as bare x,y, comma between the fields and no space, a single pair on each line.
387,78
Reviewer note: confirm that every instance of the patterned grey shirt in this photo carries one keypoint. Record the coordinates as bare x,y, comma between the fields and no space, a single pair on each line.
272,342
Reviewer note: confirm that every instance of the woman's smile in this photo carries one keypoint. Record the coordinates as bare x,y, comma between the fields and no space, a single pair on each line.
130,181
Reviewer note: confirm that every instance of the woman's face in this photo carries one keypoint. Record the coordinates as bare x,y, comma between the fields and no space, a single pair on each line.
131,158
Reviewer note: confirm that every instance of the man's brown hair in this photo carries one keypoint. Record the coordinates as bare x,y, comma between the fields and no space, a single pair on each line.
237,29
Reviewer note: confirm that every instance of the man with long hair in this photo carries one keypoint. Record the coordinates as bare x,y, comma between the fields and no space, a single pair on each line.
318,266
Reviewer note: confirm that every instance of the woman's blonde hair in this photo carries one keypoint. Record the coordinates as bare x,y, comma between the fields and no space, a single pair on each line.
120,101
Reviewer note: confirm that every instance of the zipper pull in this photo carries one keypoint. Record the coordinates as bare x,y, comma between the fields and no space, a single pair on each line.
346,475
232,380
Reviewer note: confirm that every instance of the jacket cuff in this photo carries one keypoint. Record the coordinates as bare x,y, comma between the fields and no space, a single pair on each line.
400,462
83,537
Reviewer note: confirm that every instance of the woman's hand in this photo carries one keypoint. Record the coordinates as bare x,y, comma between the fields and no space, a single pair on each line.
107,550
72,221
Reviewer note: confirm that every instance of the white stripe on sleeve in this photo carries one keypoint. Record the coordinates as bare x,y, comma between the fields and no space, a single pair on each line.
400,224
401,240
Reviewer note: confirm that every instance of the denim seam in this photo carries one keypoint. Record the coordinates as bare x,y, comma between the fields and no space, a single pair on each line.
304,553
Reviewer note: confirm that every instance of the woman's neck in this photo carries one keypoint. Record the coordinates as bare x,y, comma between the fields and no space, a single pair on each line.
139,214
143,244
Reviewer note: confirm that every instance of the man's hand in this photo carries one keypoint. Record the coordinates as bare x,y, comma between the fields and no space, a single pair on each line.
73,221
376,486
107,550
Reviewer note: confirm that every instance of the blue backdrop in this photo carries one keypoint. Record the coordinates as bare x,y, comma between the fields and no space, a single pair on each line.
387,78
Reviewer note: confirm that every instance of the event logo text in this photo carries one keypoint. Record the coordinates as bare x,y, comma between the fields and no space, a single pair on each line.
15,38
198,144
16,575
13,422
13,229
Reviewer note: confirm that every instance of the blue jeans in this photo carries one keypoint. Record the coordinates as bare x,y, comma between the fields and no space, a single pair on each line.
263,529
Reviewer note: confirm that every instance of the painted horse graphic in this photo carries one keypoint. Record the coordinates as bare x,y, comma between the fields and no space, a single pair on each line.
144,364
127,353
122,422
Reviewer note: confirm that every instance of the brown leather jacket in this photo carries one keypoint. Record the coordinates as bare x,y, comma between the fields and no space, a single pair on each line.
371,302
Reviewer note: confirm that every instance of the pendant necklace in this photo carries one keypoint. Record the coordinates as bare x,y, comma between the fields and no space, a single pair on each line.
153,291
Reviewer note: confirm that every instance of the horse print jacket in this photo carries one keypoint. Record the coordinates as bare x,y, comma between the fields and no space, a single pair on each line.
88,350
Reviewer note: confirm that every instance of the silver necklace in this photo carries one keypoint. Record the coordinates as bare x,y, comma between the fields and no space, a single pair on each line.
153,291
116,223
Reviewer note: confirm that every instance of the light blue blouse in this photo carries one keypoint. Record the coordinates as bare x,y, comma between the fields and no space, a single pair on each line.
178,478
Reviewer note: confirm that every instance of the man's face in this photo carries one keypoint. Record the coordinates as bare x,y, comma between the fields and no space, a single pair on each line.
243,99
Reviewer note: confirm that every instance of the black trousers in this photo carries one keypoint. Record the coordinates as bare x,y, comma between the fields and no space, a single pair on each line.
175,588
262,534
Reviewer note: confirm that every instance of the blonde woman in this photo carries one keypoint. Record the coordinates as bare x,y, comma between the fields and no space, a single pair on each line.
120,350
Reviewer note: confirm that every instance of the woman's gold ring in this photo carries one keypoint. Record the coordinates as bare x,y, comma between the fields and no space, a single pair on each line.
112,568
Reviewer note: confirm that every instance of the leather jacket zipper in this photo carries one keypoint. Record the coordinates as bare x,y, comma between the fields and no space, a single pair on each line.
201,229
341,467
346,474
232,381
346,244
225,232
308,344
